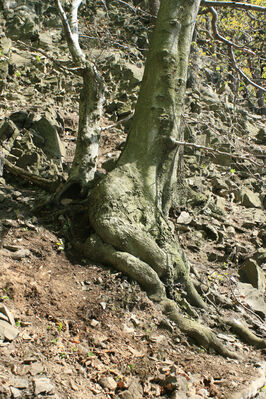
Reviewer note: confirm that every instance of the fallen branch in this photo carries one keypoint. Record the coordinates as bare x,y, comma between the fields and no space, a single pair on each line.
47,184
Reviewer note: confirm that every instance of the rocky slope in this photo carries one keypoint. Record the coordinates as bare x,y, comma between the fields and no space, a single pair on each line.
69,329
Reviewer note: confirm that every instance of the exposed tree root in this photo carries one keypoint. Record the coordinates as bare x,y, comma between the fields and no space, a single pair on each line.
136,239
141,272
245,333
201,334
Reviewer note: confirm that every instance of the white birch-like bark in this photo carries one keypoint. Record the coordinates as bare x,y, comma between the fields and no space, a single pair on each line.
90,107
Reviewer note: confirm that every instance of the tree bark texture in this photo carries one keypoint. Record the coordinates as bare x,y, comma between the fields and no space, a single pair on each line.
128,209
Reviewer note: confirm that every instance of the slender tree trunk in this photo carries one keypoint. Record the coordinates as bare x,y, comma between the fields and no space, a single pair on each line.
90,106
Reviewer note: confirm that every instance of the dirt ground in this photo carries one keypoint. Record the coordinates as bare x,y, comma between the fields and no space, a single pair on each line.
89,332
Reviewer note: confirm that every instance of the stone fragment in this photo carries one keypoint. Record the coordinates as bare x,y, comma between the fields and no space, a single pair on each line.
8,130
261,137
94,323
108,382
53,146
20,383
42,385
178,395
134,390
184,218
210,231
5,311
219,184
16,393
36,368
19,118
248,198
260,256
21,253
7,331
253,297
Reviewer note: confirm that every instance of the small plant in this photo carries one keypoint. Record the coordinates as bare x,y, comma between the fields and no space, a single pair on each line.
18,323
60,245
131,367
90,354
62,355
60,326
38,58
4,296
232,171
54,341
18,74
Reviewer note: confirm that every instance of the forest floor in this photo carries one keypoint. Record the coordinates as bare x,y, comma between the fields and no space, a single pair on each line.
85,331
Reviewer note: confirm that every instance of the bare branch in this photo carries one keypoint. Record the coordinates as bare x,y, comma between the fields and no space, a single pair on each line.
210,149
230,45
57,64
233,4
232,56
221,38
127,118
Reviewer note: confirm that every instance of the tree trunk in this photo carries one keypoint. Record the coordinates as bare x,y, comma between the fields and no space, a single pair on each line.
90,107
128,209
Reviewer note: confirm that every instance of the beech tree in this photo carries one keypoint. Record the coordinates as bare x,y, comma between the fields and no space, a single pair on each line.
128,208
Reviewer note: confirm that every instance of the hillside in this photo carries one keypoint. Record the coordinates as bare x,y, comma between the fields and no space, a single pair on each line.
73,329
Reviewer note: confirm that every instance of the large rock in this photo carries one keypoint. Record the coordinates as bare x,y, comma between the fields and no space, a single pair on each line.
251,273
253,297
21,24
5,45
53,146
7,331
248,198
8,133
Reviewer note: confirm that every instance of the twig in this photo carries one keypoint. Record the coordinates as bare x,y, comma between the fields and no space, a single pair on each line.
74,70
219,37
127,118
230,45
210,149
